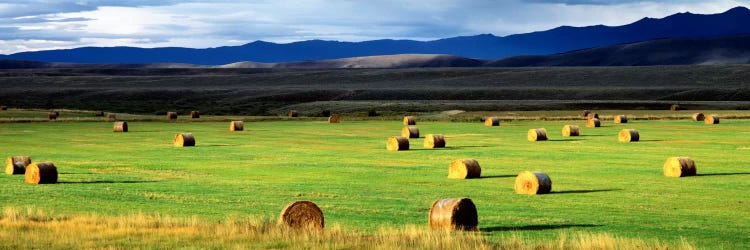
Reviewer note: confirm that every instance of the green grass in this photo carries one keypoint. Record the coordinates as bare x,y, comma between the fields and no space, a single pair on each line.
599,184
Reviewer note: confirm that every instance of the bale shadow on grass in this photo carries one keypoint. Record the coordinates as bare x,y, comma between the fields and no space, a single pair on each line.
74,173
722,174
461,147
651,140
534,227
583,191
564,140
219,145
496,176
100,182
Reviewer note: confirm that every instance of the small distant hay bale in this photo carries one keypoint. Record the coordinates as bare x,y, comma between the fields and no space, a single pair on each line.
585,113
492,121
184,140
41,173
99,113
464,169
17,164
711,119
592,116
533,183
410,132
697,117
302,215
111,117
52,115
537,134
397,143
593,123
236,126
195,114
410,120
3,107
571,130
621,119
434,141
292,113
335,118
453,214
120,127
675,107
679,167
628,135
171,115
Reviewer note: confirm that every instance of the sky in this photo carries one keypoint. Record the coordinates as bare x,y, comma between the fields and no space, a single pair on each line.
32,25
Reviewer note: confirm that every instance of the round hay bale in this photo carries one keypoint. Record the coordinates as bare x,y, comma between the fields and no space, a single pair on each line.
41,173
533,183
292,113
3,107
492,121
335,118
621,119
52,115
628,135
464,169
585,113
453,214
236,126
195,114
679,167
592,116
593,123
120,127
434,141
172,115
410,120
17,164
99,113
111,117
711,119
302,215
571,130
675,107
410,132
697,117
397,143
184,140
537,134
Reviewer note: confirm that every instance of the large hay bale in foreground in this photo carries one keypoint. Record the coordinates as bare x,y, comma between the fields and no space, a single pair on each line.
172,115
675,107
679,167
410,132
292,113
236,126
111,117
571,130
711,119
397,143
492,121
184,140
628,135
410,120
41,173
533,183
17,164
697,117
302,215
52,115
593,123
335,118
453,214
434,141
537,134
120,127
621,119
592,116
464,169
195,114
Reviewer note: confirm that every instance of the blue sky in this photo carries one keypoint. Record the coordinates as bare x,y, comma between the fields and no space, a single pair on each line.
28,25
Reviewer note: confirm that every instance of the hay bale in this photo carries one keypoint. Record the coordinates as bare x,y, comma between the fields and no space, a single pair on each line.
533,183
410,120
17,164
492,121
697,117
41,173
195,114
464,169
236,126
571,130
397,143
593,123
292,113
52,115
3,107
711,119
120,127
184,140
111,117
172,115
675,107
679,167
410,132
335,118
621,119
585,113
302,215
592,116
453,214
628,135
537,134
99,113
434,141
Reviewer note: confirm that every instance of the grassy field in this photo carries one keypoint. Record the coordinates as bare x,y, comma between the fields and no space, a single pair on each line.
599,185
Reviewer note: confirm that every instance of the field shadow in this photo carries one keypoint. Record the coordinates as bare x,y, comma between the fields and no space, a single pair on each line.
564,140
585,135
722,174
218,145
74,173
496,176
654,140
534,227
583,191
461,147
101,182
